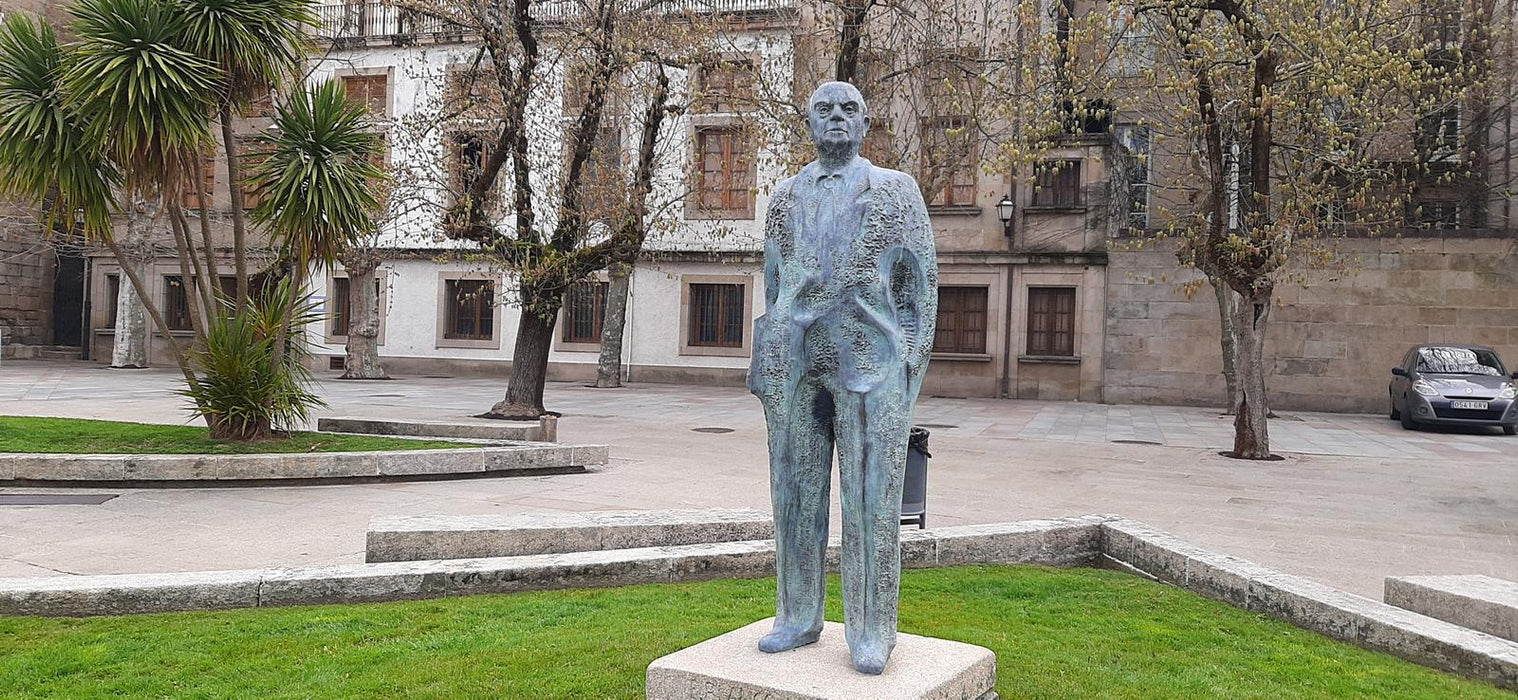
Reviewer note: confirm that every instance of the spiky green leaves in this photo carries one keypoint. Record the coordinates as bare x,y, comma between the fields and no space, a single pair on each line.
256,43
316,174
144,91
46,156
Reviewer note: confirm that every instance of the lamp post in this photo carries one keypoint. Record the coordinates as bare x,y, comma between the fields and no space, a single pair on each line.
1004,211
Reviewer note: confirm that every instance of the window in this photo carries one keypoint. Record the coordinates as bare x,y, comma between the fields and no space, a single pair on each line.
601,182
339,305
584,309
870,74
1051,321
112,292
1057,184
716,315
1133,49
249,157
469,87
961,320
951,75
725,86
176,304
261,104
879,145
1135,146
471,310
725,174
206,177
1438,136
1437,213
371,91
1441,26
228,286
947,161
469,151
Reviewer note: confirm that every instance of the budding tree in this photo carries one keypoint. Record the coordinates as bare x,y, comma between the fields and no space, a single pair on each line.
1273,127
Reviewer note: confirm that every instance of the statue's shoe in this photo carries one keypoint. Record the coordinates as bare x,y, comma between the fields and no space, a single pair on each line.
785,638
870,657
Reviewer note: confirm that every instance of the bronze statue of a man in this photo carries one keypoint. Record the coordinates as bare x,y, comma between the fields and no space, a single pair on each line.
851,285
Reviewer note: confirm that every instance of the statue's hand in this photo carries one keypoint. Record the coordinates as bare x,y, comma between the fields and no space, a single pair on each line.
769,366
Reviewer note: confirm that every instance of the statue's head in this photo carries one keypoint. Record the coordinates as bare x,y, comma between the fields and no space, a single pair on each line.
838,120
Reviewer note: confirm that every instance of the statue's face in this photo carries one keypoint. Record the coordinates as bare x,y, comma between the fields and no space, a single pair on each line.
836,117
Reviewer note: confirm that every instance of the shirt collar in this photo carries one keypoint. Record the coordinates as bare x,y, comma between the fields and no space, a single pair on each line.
814,173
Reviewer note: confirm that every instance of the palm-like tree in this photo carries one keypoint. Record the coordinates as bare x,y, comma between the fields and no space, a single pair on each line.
47,155
258,45
113,112
144,98
314,182
144,92
120,112
315,177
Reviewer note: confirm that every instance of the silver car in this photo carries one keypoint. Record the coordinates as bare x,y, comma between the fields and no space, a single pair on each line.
1453,385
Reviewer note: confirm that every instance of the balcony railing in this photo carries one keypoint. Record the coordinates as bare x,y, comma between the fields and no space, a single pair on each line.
373,20
378,20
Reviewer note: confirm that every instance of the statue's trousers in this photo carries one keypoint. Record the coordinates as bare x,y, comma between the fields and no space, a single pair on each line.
870,431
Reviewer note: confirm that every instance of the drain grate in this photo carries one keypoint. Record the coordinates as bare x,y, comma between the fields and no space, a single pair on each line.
1136,442
715,431
54,499
387,396
944,426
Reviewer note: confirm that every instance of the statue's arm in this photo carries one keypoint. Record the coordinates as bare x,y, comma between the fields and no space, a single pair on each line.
776,220
914,280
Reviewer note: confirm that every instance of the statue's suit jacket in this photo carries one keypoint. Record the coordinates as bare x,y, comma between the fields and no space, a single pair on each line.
855,307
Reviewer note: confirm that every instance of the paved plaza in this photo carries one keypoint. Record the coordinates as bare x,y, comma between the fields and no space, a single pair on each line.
1357,498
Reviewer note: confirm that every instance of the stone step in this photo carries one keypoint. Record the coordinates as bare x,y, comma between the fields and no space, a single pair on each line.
1481,603
731,666
543,430
59,353
423,537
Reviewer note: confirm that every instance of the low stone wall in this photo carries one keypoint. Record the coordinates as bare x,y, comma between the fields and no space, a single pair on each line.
1311,606
1481,603
1080,541
417,537
1063,542
544,430
527,458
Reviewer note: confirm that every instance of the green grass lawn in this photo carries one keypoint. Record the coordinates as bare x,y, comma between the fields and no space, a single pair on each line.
1078,633
77,436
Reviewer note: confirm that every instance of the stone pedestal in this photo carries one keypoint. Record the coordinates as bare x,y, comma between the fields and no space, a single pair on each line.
731,667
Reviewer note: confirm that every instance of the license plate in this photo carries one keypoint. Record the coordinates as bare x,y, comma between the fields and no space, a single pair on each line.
1472,405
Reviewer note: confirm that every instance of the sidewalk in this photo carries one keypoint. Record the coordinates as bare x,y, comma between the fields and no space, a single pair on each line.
1357,499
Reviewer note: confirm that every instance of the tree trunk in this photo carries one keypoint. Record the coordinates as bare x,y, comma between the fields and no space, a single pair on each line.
529,364
234,191
850,36
131,343
223,429
1227,312
362,361
613,322
1251,435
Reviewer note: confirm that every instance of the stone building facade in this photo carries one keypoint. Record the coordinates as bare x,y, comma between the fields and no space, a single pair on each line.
1332,339
26,283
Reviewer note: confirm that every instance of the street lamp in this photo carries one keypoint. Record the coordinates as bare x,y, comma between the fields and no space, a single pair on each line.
1004,211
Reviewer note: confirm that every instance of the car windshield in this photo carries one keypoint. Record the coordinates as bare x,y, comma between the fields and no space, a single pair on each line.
1459,361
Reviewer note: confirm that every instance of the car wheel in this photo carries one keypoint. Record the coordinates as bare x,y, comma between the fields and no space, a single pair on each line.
1407,421
1395,414
1510,430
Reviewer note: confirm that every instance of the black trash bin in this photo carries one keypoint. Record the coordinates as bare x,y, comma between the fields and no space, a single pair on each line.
914,492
